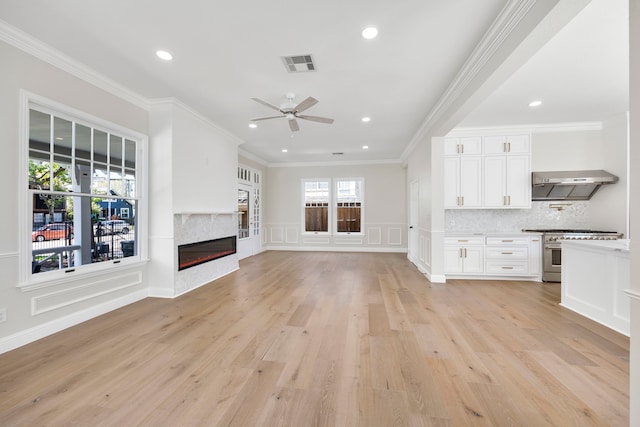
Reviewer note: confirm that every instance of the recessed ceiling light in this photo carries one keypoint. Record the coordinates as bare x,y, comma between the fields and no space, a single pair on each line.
253,125
535,103
365,147
370,33
284,150
366,119
163,54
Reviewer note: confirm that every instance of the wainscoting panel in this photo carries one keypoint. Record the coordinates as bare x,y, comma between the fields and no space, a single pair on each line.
394,236
348,241
277,235
292,235
86,291
374,236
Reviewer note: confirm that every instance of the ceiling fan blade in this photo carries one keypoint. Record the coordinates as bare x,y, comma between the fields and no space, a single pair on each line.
266,104
266,118
307,103
316,119
293,124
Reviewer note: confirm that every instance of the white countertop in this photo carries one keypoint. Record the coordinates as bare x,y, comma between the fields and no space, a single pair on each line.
492,233
620,245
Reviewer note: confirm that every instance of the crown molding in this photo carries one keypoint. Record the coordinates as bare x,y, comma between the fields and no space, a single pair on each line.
533,128
23,41
344,163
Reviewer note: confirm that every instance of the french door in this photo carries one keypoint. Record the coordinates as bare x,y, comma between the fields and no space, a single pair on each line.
249,212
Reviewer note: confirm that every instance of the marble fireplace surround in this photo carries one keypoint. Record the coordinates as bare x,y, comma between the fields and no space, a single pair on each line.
197,227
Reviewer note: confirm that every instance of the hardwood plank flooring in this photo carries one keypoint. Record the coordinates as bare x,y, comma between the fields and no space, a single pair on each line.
327,339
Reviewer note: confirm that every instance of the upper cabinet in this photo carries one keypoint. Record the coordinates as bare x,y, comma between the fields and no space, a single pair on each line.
492,172
463,173
507,166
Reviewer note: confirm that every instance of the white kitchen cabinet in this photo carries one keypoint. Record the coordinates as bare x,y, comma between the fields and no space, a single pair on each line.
467,146
463,181
487,172
464,255
503,144
517,256
507,172
507,255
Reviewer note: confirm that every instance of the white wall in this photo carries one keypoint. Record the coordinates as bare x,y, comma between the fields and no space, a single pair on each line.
192,172
39,312
385,208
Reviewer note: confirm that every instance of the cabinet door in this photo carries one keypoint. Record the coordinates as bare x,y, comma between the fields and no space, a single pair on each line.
535,255
466,146
518,181
495,169
518,144
471,181
511,144
473,259
451,182
452,259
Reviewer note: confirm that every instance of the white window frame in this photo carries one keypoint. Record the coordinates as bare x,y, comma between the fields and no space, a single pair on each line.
329,210
334,201
27,280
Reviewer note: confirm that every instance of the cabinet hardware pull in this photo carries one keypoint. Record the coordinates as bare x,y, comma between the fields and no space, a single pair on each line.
462,200
506,253
504,147
465,252
508,147
460,253
508,200
461,148
507,268
507,241
462,241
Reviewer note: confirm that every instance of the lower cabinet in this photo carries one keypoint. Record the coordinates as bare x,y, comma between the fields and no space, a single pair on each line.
494,256
464,254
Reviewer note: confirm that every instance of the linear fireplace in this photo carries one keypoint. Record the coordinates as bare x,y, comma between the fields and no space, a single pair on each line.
192,254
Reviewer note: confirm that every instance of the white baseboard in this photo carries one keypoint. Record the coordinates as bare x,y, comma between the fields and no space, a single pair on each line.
336,249
30,335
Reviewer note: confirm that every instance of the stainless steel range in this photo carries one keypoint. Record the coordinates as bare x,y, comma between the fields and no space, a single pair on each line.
552,248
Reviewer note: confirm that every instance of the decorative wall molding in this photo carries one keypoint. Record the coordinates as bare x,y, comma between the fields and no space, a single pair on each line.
633,294
76,294
528,129
277,235
374,236
348,241
291,235
394,236
336,249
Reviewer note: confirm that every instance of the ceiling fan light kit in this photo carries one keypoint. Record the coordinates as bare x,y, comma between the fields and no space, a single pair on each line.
291,111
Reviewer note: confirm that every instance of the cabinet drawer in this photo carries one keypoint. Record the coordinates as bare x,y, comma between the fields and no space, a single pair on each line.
507,253
507,241
507,267
464,240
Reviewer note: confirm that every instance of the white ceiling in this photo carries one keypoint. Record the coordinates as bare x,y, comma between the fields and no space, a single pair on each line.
228,52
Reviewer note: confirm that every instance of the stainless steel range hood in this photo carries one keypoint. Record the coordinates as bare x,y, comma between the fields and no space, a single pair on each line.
568,185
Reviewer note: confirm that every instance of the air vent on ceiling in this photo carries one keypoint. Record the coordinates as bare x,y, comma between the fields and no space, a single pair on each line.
299,63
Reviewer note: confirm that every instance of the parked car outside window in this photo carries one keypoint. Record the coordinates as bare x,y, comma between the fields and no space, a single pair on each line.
53,231
114,226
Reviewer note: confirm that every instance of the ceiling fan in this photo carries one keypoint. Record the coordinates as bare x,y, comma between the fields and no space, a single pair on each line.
291,111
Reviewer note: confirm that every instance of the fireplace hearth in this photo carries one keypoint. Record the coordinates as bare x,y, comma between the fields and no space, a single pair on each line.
192,254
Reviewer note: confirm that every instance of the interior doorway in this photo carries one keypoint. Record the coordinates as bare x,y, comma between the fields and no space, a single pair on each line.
249,212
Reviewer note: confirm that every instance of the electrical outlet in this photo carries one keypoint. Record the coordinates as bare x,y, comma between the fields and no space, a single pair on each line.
3,315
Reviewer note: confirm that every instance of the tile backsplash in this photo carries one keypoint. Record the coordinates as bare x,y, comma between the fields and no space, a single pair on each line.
565,214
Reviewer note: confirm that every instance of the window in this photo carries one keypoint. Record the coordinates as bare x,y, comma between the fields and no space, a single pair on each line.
347,201
83,192
316,206
349,204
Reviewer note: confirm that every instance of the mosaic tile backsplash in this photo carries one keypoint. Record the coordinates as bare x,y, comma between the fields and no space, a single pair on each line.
541,215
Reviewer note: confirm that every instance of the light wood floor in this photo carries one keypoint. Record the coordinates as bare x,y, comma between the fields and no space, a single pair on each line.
327,339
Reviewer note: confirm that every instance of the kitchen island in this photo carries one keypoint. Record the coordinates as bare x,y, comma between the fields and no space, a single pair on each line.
595,275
